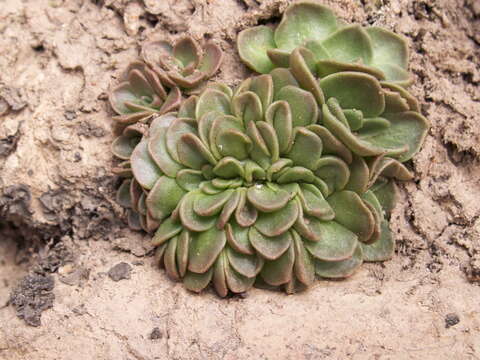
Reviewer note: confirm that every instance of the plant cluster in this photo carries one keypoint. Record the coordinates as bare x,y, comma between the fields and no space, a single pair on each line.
288,176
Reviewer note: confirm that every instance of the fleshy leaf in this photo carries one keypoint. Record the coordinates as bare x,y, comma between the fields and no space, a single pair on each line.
212,59
333,171
237,283
252,45
123,194
228,210
349,44
187,109
280,117
340,269
144,169
212,100
302,66
175,131
164,197
265,199
279,271
166,230
351,212
219,278
189,218
170,259
302,22
386,192
304,267
305,142
355,90
278,222
331,145
188,179
336,242
246,215
383,248
204,249
388,47
359,175
197,282
246,265
193,153
247,106
209,205
238,238
302,105
157,145
270,248
313,202
406,128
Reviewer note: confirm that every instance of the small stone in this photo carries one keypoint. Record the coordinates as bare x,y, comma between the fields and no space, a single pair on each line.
156,334
120,271
451,319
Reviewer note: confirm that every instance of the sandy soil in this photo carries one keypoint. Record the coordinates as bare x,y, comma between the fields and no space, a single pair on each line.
60,57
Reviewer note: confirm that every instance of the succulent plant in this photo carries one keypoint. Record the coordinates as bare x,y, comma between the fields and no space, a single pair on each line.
185,64
272,184
289,176
333,46
141,94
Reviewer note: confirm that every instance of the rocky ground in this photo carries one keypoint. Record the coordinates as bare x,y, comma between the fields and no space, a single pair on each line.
75,283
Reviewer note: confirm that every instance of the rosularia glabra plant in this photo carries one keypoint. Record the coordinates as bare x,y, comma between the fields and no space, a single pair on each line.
289,176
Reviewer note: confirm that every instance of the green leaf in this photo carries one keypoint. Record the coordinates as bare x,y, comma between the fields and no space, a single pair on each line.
333,171
407,128
304,267
247,107
313,202
188,179
386,192
193,153
303,105
212,59
233,142
187,51
351,212
144,169
340,269
306,149
229,167
167,230
302,66
219,279
269,135
246,265
238,238
187,109
279,271
157,145
183,244
212,100
359,175
175,131
331,145
228,210
328,67
270,248
304,21
189,218
209,205
246,215
278,222
266,199
123,146
237,283
349,44
281,78
252,45
123,195
280,117
204,249
336,242
197,282
169,259
388,47
355,90
164,197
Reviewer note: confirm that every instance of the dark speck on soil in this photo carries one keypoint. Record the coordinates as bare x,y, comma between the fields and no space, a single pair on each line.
120,271
156,334
451,320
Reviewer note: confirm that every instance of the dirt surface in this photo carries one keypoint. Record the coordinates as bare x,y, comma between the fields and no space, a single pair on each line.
60,222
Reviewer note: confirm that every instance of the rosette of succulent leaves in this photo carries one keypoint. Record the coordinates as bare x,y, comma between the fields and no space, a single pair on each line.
288,177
